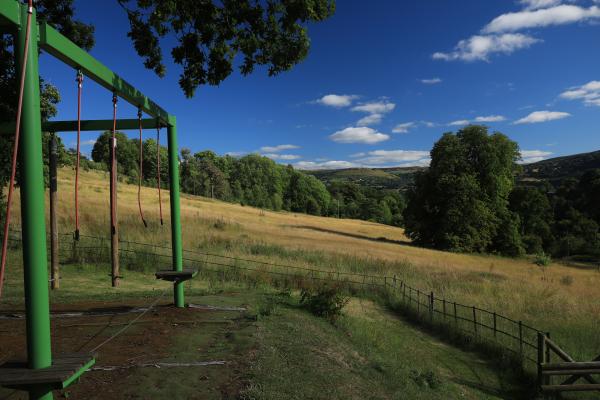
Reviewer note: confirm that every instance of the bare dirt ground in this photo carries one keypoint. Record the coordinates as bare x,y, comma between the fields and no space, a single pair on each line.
163,334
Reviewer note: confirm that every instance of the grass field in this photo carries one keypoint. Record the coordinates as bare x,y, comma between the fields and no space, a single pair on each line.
285,353
558,298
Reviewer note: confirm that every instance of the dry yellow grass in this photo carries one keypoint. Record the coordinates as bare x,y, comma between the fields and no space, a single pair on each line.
514,287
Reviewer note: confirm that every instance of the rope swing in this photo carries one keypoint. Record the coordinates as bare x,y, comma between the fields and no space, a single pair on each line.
158,170
113,168
141,174
79,80
15,152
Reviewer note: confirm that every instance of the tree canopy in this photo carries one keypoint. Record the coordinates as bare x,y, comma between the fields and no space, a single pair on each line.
461,202
210,34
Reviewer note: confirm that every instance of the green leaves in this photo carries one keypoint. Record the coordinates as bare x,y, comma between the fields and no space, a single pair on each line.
211,35
461,202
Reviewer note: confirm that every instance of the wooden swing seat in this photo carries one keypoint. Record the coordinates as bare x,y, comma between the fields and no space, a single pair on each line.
176,276
65,370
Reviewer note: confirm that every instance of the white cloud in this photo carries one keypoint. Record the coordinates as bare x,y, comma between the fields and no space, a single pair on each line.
404,128
312,165
588,93
371,119
401,157
531,156
558,15
429,124
431,81
278,148
537,4
480,47
542,116
460,122
490,118
90,142
359,135
375,107
337,100
236,153
276,156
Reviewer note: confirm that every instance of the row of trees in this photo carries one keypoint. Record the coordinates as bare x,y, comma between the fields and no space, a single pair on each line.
253,180
468,201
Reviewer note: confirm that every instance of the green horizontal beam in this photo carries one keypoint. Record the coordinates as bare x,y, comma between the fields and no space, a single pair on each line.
68,52
8,128
10,14
98,125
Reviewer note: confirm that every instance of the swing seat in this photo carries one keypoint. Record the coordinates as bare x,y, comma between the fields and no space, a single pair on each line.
176,276
65,370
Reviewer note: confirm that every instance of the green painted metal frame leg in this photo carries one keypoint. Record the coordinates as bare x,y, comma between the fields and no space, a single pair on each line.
35,263
176,243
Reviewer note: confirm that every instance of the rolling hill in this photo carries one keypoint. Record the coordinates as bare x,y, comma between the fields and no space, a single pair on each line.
552,170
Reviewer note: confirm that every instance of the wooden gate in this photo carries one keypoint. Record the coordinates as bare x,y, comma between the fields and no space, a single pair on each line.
549,371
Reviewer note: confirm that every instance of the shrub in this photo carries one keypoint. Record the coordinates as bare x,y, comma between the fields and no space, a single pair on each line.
426,379
543,260
325,301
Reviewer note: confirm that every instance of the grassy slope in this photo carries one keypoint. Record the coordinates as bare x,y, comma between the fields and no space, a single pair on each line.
288,354
543,297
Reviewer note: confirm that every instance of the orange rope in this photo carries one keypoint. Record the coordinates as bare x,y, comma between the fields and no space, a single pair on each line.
15,151
141,169
158,170
79,90
113,166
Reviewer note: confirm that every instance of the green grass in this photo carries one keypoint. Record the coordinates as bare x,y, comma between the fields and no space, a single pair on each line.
368,354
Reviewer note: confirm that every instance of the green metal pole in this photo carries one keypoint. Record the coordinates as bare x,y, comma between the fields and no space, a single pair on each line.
177,247
32,215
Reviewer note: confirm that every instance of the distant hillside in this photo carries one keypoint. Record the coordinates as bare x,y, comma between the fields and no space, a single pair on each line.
379,178
556,169
552,170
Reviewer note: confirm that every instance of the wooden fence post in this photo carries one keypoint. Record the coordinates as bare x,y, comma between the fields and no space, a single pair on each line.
475,320
431,306
541,354
495,326
455,315
521,338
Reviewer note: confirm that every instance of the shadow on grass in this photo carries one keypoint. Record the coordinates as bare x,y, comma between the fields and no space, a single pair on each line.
353,235
518,383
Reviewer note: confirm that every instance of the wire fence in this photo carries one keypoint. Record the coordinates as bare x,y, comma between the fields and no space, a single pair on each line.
480,325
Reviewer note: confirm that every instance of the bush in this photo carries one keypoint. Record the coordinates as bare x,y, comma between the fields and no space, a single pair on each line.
325,301
543,260
426,379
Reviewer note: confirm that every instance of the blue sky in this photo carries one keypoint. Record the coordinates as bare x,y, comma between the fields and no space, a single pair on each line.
383,81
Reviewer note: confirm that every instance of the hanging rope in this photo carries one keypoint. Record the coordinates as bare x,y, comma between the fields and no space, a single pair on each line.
158,170
15,151
113,165
141,169
79,80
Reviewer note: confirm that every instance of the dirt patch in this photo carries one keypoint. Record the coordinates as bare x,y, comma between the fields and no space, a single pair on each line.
160,335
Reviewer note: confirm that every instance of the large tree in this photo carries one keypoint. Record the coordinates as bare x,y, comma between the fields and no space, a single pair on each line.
461,202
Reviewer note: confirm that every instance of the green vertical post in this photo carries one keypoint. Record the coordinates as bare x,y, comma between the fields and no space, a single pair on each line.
35,264
176,244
